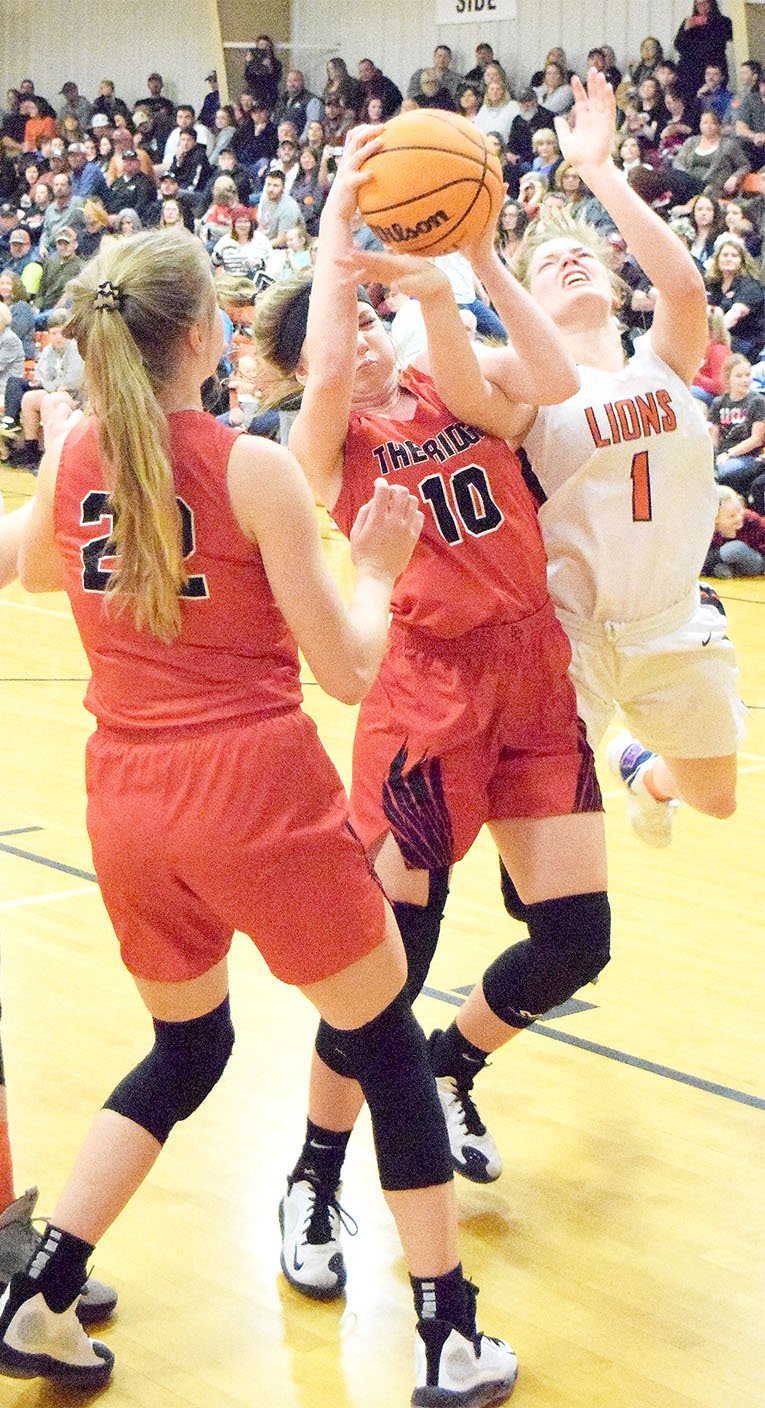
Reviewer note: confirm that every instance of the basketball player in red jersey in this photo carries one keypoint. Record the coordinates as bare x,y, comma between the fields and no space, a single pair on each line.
472,719
19,1238
192,561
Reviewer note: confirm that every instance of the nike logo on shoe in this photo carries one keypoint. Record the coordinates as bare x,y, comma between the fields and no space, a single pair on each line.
298,1265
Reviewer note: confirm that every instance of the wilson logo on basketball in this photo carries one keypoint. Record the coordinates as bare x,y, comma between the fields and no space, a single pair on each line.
399,234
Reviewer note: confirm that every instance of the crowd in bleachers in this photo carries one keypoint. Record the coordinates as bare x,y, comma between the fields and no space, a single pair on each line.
249,179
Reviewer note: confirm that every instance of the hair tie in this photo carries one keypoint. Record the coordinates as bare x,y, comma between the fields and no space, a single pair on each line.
108,296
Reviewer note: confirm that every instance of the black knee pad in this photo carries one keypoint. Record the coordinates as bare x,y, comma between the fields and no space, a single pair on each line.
568,945
420,926
388,1057
186,1061
511,899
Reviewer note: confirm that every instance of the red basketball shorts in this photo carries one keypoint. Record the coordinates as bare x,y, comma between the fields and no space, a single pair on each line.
455,733
242,826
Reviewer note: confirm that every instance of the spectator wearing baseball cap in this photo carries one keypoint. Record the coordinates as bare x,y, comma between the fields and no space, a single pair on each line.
132,189
211,101
75,105
23,260
155,102
59,269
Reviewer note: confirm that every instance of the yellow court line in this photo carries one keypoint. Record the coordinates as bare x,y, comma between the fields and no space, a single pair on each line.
39,610
49,897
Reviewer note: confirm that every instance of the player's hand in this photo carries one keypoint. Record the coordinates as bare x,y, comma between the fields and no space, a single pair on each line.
590,141
412,274
361,143
58,413
386,530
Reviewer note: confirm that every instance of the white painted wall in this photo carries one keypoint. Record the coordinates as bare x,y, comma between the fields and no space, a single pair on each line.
400,34
86,41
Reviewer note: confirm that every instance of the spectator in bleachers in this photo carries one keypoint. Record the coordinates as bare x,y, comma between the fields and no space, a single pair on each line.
718,163
433,94
59,369
298,102
737,221
376,84
733,285
14,295
255,141
750,123
266,67
679,126
96,223
106,104
531,117
708,381
341,85
155,100
510,228
24,261
211,101
547,157
64,211
36,126
338,120
223,129
86,177
651,55
737,426
555,92
714,95
484,54
133,187
11,350
245,249
447,77
499,108
75,105
470,101
707,220
58,270
307,190
191,169
738,544
277,212
701,40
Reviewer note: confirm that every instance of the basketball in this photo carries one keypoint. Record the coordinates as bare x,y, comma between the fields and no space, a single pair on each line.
435,185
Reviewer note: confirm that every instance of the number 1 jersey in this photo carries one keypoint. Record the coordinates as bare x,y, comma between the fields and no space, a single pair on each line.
626,466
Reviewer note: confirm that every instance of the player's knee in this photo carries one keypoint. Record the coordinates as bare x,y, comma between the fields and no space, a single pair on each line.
388,1057
568,945
511,899
186,1061
719,803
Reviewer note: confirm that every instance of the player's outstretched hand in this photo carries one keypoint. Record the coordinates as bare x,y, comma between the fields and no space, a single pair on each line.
386,529
361,142
58,412
590,141
412,274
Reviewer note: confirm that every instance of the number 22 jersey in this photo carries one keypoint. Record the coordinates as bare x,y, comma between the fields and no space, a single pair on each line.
627,469
480,559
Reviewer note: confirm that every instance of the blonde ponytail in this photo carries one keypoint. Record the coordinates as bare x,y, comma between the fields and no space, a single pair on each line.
157,285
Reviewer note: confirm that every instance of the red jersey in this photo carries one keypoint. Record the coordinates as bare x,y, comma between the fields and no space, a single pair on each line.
480,558
234,657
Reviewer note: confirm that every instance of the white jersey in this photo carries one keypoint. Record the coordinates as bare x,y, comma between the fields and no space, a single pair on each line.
627,467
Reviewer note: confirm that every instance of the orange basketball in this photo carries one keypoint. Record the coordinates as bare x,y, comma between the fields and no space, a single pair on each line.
435,184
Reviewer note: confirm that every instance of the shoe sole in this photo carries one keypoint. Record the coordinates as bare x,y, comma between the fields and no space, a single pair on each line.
483,1396
311,1292
88,1312
15,1365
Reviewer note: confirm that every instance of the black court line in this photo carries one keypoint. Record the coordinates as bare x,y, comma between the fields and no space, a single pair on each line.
456,1000
43,860
624,1057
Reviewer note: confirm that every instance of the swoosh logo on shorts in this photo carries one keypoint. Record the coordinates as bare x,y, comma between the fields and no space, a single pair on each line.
709,637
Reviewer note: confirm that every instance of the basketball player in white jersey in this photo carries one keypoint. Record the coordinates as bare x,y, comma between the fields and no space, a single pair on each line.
626,469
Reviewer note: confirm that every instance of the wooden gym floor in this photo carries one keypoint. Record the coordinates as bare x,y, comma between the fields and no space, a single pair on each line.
621,1251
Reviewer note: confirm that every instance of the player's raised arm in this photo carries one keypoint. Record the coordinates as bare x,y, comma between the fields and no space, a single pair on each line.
328,361
679,331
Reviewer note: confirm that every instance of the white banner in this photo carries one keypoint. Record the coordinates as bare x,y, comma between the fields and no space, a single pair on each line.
470,11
